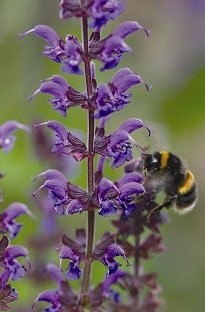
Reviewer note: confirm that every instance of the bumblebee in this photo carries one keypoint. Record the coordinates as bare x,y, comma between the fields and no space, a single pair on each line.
168,173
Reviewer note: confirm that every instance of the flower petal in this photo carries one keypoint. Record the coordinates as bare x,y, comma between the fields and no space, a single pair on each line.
45,32
127,28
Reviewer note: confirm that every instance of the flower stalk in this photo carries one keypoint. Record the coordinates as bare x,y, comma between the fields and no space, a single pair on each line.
90,162
135,237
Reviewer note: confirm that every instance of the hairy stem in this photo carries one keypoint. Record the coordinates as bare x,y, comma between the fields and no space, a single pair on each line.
136,255
135,299
90,164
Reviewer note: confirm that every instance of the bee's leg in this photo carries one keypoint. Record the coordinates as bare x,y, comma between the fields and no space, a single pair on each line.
149,196
167,203
146,196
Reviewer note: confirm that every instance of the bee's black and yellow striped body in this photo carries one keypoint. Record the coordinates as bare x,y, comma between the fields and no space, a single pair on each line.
169,174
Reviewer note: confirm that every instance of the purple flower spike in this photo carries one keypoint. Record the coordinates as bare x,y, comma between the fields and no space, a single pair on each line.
74,251
105,186
104,101
127,28
52,297
107,208
152,244
7,218
112,279
112,52
73,271
133,124
53,50
45,32
107,191
75,206
58,92
119,195
110,49
124,79
131,190
67,52
7,295
100,11
66,142
70,8
65,197
63,96
6,134
113,251
4,242
55,187
55,273
11,266
73,51
67,253
63,293
52,174
105,251
119,146
114,96
130,177
104,10
56,184
4,277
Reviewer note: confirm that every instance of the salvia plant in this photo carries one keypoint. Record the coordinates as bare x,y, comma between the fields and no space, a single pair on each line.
135,235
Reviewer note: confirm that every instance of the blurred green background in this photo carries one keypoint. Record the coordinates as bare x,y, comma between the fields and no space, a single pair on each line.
172,60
